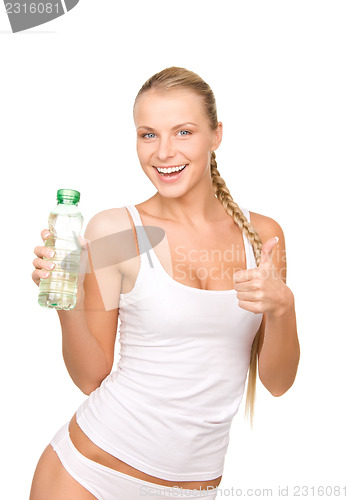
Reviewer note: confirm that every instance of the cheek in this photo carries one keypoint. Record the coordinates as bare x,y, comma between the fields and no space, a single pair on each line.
142,152
197,148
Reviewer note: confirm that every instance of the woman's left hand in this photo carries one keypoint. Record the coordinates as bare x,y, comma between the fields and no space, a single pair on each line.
261,289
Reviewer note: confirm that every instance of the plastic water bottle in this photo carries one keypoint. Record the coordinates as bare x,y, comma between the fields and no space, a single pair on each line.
59,289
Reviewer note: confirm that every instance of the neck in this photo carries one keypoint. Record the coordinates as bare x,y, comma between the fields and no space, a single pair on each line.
191,209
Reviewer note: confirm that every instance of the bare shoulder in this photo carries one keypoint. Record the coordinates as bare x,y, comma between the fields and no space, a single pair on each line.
107,222
111,241
267,227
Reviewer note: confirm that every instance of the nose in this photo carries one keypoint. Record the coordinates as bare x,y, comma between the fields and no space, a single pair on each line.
165,149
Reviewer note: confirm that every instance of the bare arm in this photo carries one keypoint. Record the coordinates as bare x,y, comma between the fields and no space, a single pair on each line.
89,330
279,349
88,359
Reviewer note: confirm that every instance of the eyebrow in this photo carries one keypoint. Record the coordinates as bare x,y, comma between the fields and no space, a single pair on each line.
173,128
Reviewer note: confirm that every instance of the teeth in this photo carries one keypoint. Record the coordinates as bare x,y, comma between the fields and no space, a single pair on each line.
169,170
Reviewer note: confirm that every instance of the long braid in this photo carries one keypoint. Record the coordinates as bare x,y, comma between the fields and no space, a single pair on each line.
223,194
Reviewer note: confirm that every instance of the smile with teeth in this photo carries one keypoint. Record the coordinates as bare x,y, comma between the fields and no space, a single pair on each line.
170,170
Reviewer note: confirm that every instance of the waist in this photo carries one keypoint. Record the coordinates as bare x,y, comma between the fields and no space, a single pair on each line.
90,450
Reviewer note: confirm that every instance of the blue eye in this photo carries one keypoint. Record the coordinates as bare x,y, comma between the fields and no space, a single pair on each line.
181,132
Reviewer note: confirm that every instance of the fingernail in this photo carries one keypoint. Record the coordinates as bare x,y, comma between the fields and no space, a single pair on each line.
277,238
50,253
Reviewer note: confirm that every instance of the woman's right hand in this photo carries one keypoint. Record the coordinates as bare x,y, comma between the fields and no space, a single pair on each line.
42,266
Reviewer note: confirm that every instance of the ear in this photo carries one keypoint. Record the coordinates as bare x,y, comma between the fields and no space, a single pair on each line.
217,137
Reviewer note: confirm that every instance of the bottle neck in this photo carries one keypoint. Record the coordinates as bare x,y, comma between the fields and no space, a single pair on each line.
67,202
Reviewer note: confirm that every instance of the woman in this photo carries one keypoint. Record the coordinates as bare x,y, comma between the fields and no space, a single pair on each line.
194,317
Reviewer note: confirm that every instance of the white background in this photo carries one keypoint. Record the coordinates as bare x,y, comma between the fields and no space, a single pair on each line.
280,73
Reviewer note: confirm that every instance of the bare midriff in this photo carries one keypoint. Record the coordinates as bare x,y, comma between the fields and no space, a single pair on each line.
90,450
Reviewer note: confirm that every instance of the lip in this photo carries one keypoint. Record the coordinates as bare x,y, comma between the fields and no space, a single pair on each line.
174,177
169,166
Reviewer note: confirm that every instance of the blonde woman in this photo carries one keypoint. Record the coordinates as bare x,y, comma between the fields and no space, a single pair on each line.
197,309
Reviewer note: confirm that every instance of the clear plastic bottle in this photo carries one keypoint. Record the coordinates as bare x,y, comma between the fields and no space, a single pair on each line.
59,289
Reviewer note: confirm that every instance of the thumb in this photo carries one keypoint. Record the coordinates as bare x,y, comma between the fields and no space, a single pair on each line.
84,265
267,249
84,243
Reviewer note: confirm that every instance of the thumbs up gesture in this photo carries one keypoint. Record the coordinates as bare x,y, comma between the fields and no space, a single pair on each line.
261,289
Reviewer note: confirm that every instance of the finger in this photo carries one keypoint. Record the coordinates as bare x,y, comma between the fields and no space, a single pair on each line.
251,296
84,243
267,250
45,234
254,307
246,286
83,267
39,263
42,251
39,274
46,252
245,275
83,270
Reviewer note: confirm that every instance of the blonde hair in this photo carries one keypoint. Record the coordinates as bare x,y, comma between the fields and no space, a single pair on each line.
173,78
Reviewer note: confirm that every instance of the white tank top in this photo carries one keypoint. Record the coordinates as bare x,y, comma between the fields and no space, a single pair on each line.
184,355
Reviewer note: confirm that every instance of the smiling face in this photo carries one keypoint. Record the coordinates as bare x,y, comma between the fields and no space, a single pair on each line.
173,130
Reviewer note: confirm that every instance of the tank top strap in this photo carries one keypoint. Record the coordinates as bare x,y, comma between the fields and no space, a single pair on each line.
143,242
145,247
249,251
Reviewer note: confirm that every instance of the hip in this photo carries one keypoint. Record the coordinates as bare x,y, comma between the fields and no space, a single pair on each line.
90,450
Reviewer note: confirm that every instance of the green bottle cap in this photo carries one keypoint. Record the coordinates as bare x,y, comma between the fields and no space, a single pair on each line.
68,196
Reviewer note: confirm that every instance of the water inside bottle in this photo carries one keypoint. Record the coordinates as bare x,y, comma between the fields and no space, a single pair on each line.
59,289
